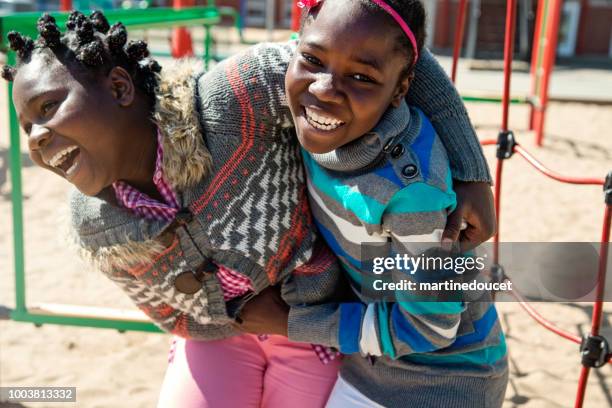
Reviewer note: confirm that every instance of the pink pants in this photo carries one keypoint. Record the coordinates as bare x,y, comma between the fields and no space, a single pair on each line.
245,372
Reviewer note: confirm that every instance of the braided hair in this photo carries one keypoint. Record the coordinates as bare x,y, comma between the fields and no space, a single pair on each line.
411,11
90,45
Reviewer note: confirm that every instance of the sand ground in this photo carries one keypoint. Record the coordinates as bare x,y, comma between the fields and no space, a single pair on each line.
111,369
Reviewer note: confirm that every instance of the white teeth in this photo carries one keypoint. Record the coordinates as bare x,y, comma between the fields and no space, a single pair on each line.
322,122
61,156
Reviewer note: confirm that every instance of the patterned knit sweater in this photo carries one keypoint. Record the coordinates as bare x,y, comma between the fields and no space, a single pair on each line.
232,156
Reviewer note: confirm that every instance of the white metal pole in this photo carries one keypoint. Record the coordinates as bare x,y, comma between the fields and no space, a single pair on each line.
270,15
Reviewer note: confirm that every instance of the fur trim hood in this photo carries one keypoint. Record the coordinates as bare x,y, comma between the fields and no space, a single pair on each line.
186,158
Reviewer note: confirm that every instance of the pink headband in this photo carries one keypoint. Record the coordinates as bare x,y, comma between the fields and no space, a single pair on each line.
389,10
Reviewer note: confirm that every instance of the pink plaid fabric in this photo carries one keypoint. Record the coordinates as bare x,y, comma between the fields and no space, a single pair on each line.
232,283
142,204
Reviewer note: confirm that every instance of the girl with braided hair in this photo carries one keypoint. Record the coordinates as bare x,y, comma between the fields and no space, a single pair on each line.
191,197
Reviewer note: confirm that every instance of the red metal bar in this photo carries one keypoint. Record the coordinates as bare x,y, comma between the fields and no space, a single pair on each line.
540,319
459,29
582,383
181,43
497,201
537,120
601,278
556,176
550,53
534,59
65,5
296,14
488,142
508,54
598,307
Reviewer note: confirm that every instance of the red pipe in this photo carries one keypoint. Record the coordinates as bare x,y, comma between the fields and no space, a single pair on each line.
488,142
497,202
601,278
459,29
296,14
508,54
550,53
540,319
65,5
582,383
538,116
598,307
534,61
553,175
181,43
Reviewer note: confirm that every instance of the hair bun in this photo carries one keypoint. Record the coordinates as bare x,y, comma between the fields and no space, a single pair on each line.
48,30
91,54
21,44
154,66
8,73
75,19
116,38
85,32
137,50
99,21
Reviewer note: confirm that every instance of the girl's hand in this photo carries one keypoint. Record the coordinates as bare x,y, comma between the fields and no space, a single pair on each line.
475,207
266,313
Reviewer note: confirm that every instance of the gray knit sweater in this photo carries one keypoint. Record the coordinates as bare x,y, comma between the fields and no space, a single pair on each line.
231,154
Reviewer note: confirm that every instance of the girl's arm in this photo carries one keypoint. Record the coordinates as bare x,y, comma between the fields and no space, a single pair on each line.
398,328
433,93
393,329
246,92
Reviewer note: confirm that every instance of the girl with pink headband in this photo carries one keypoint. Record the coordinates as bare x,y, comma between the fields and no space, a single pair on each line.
378,174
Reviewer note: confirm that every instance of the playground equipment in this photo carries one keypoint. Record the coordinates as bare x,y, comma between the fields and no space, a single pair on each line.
181,41
594,348
542,60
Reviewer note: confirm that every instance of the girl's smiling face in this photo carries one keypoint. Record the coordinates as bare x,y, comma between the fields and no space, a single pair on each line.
345,74
76,128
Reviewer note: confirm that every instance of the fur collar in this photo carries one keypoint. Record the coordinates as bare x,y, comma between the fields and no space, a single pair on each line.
186,158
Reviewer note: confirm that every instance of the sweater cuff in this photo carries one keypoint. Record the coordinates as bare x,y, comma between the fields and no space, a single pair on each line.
316,324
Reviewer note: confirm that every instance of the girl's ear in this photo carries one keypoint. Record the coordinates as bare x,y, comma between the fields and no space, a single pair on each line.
401,89
121,86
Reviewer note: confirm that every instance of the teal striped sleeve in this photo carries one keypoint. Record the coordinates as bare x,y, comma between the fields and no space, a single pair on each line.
397,328
409,325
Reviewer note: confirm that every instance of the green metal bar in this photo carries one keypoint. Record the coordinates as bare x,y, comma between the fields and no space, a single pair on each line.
517,100
121,325
207,45
16,197
134,19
